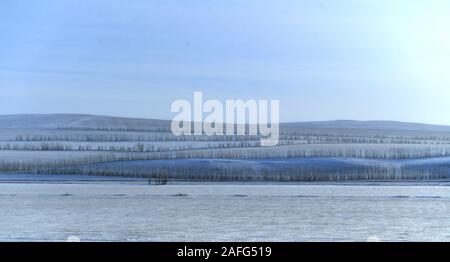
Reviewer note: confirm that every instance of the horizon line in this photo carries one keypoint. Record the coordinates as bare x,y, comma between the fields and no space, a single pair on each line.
281,122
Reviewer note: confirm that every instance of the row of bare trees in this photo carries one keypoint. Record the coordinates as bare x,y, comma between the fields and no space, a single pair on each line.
138,147
233,173
308,139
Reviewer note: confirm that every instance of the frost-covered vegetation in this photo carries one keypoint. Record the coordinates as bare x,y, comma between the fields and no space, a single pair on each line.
94,145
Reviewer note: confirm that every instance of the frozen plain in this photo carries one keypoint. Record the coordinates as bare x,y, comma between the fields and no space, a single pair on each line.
133,211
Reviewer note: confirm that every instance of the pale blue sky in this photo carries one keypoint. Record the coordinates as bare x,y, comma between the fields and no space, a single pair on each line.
324,60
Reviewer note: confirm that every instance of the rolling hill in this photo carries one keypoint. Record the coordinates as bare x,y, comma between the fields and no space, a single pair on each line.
53,121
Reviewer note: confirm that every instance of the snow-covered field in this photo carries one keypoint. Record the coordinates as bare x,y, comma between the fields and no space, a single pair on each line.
221,212
42,201
311,162
100,145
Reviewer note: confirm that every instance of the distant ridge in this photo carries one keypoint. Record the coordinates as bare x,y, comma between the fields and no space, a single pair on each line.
373,125
53,121
78,121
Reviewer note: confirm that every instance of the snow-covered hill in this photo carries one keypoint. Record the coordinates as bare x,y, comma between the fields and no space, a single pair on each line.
95,121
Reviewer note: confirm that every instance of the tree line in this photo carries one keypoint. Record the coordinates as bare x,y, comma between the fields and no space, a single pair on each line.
233,173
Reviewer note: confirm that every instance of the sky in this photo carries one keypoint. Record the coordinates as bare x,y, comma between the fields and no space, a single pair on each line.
324,60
